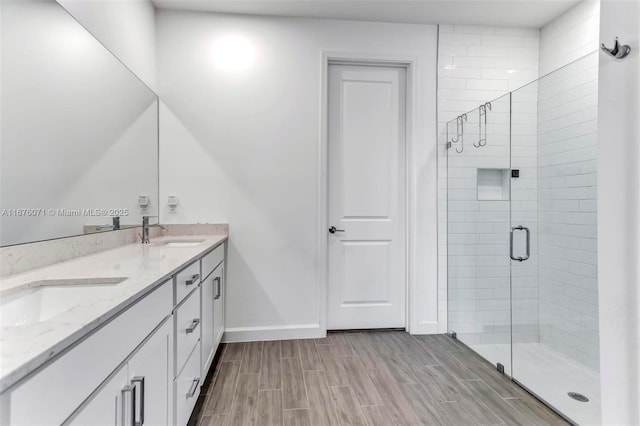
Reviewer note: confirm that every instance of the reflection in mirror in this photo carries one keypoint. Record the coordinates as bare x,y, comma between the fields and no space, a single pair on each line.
79,131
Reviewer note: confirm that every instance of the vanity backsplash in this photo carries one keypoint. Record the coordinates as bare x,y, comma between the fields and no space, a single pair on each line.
25,257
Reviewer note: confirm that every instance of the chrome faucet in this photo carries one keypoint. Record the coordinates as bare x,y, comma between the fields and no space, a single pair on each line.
145,229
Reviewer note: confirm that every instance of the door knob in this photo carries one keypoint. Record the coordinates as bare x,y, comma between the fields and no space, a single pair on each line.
333,230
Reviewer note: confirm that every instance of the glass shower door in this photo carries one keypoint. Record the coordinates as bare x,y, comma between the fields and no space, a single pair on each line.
554,299
478,167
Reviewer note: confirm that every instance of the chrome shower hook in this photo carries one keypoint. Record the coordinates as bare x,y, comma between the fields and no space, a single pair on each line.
461,119
618,50
482,112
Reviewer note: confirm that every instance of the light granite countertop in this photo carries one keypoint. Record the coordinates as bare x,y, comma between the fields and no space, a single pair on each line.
24,348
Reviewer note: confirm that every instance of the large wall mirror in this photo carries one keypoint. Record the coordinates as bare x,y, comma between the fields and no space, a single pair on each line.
78,130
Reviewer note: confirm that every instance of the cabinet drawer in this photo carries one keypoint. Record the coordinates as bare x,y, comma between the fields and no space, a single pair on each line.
187,280
66,382
187,388
188,326
211,260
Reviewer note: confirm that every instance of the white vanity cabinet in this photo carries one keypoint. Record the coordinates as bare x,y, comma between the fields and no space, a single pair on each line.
143,366
212,306
139,391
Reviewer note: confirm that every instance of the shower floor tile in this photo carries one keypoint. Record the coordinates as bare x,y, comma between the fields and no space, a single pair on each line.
551,375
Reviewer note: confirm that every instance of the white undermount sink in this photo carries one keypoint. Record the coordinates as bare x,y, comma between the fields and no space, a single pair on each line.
42,300
182,243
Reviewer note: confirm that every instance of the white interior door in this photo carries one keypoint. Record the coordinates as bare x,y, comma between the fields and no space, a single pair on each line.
366,197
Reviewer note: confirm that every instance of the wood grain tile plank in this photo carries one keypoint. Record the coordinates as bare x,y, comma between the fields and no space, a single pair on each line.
428,342
333,369
485,371
377,415
538,413
215,420
439,385
269,410
403,342
483,394
343,344
221,396
271,369
457,368
448,343
298,417
424,408
245,401
392,397
328,340
252,358
233,351
399,368
289,348
294,394
363,346
321,407
347,409
309,355
360,382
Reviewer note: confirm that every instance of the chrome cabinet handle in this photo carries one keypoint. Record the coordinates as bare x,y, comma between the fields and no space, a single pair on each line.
193,326
333,230
135,382
520,258
217,280
127,405
193,388
193,280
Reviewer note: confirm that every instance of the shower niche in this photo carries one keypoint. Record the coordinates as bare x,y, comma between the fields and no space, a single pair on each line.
493,184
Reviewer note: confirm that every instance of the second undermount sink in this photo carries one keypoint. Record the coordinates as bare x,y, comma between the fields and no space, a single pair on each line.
182,243
40,301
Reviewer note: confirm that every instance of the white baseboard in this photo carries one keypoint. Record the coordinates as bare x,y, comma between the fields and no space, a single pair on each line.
426,327
284,332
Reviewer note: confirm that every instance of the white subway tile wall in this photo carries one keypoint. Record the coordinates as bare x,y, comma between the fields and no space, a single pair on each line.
477,65
567,158
571,36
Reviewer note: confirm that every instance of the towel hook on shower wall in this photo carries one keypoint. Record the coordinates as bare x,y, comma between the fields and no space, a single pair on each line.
618,50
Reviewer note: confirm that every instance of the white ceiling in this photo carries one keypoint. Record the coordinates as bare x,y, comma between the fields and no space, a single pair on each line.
509,13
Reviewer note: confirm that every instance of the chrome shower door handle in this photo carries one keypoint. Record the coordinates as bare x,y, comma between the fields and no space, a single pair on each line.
520,258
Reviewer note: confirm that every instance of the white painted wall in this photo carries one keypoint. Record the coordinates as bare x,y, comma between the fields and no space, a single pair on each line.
240,137
125,27
477,65
619,215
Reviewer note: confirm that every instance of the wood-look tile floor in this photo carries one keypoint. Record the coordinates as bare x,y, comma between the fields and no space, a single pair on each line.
364,378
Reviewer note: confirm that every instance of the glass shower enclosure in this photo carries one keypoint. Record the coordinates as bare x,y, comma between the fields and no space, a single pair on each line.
521,236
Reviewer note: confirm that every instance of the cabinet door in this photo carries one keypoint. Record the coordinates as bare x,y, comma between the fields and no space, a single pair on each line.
150,378
218,305
206,299
105,408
